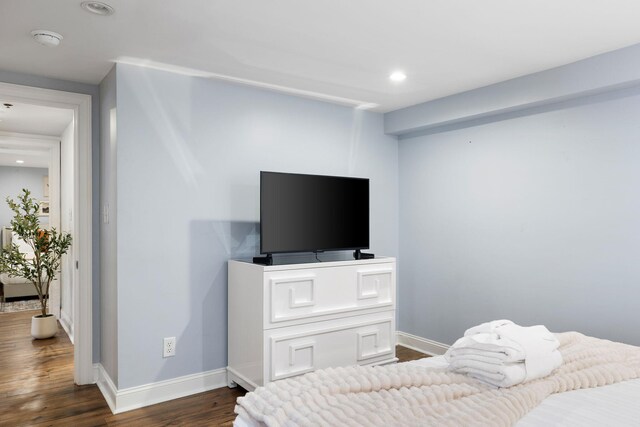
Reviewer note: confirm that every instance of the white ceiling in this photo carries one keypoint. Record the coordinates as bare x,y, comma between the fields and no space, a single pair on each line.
338,48
31,159
33,119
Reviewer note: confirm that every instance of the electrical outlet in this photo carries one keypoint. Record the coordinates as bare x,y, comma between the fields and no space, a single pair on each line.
169,348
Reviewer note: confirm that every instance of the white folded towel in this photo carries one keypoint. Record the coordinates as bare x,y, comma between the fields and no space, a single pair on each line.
489,344
503,354
537,343
506,374
480,356
488,327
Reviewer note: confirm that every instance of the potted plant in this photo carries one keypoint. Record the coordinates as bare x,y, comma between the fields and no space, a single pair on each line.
41,267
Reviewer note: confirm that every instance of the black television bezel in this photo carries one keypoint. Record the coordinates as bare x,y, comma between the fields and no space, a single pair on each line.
324,249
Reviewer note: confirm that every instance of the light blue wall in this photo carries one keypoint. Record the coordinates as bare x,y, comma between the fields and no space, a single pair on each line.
92,90
188,161
532,216
12,181
108,267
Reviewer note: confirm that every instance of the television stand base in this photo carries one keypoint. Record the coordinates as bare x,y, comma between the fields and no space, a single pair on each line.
264,260
361,255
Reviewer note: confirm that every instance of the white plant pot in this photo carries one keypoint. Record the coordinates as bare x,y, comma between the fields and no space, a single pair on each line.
44,327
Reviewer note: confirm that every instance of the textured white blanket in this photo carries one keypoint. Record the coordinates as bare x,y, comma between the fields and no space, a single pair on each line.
409,395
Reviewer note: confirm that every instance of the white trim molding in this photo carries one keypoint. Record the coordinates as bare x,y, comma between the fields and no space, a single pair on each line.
139,62
423,345
149,394
106,386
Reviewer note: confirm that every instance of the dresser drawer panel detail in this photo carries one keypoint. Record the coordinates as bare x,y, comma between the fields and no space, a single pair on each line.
337,346
319,292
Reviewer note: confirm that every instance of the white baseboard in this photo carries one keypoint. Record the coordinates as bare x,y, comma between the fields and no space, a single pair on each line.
149,394
423,345
106,386
96,372
67,324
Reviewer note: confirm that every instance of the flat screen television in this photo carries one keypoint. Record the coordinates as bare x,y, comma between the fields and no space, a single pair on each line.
312,213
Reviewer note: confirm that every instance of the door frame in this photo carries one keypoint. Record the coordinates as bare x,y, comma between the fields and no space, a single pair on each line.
82,208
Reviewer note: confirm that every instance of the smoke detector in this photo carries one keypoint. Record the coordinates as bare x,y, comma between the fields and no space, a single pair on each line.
97,8
46,37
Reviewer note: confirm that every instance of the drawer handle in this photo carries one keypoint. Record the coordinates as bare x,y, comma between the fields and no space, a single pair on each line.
365,293
295,303
293,348
377,351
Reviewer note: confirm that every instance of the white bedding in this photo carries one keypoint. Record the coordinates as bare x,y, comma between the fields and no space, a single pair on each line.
614,405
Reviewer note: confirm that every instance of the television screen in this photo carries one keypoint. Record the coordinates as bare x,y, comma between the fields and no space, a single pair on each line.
307,213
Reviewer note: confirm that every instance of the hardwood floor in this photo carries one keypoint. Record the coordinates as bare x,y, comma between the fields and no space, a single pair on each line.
37,389
406,354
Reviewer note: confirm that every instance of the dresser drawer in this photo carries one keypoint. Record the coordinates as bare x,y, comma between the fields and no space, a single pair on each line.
300,349
310,293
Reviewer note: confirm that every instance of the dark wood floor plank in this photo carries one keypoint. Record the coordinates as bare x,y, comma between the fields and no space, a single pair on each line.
37,389
406,354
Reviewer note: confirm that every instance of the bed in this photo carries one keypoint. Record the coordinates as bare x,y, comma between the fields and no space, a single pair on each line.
615,404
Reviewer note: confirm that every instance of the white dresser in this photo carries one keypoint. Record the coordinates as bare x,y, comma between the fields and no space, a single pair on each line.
286,320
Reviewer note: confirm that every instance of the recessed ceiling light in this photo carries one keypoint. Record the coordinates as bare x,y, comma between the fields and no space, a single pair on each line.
47,38
19,162
97,8
397,76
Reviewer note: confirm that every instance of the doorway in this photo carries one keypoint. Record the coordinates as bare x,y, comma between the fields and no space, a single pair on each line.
33,162
78,216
